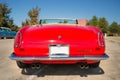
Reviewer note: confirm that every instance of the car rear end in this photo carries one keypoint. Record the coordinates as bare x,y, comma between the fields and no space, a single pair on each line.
59,45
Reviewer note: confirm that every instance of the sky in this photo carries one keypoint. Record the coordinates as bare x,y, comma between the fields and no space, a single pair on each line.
74,9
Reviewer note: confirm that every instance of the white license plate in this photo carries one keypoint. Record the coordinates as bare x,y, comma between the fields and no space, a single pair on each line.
59,51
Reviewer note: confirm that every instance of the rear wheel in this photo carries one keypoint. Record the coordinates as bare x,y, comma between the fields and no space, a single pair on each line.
22,65
94,65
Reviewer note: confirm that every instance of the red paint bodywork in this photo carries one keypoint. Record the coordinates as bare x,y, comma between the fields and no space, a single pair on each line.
35,41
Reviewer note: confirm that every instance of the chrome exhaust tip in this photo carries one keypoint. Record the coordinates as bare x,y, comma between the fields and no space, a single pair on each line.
82,66
36,66
86,66
33,66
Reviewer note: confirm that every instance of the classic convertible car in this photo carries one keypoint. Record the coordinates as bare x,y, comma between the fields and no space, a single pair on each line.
59,41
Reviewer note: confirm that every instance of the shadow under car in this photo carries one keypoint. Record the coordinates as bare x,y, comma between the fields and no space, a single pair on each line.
61,70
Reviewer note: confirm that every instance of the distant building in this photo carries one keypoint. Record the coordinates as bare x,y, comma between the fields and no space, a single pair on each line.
82,22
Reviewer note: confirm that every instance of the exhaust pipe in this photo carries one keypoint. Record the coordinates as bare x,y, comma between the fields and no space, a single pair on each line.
36,66
82,66
33,66
86,66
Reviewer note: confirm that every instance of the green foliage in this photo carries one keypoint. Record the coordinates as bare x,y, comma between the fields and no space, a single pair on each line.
33,15
14,28
93,21
114,28
103,24
4,15
25,23
5,20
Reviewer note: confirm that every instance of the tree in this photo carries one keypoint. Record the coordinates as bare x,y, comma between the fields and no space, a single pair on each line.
103,24
5,20
119,29
14,28
4,15
93,21
114,28
25,23
33,14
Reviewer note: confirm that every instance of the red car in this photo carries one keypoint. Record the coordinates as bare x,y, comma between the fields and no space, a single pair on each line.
59,41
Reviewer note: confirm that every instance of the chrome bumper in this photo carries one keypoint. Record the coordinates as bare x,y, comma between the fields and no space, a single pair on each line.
14,57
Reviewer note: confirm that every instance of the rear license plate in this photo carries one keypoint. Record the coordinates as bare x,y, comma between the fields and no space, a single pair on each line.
59,51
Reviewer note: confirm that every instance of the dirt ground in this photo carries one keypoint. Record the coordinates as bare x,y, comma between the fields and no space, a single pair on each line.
108,70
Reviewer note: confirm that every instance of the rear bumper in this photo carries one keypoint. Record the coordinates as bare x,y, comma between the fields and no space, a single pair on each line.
14,57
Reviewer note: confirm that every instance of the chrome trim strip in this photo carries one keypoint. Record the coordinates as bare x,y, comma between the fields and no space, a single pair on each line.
58,18
13,57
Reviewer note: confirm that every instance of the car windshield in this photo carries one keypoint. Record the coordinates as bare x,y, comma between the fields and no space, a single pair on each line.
58,21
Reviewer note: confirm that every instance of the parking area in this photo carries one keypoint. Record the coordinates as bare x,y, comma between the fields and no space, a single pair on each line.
108,70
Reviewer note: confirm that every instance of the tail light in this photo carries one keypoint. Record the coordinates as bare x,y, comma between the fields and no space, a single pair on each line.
101,41
18,40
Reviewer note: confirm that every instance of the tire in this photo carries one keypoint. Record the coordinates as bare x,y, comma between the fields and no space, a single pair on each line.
22,65
94,65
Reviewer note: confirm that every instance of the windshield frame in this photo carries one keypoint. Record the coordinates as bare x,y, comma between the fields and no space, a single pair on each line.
59,19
